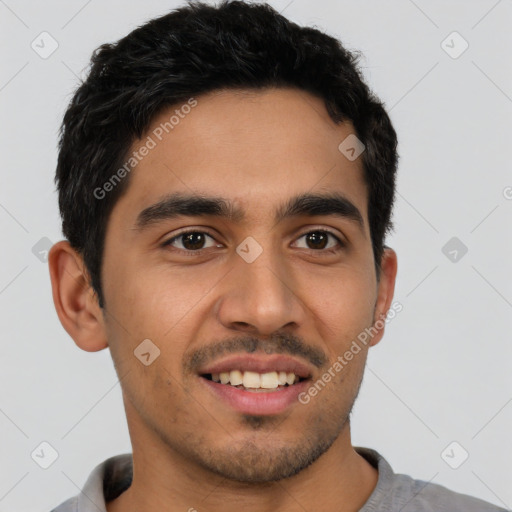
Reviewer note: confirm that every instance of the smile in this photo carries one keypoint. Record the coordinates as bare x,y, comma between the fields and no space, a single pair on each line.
249,380
258,384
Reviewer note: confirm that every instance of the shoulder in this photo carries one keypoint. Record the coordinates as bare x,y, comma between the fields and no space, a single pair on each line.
106,481
70,505
419,495
398,492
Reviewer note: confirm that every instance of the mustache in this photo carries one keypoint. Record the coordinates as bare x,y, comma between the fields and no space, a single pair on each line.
279,343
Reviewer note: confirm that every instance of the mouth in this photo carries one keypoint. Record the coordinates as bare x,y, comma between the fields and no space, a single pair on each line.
255,385
255,382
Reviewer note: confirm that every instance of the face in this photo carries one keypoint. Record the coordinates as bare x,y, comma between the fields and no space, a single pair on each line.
257,284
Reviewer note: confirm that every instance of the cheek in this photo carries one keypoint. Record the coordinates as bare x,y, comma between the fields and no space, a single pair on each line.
342,305
157,301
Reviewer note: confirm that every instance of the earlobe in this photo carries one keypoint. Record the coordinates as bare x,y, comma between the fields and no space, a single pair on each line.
76,304
385,292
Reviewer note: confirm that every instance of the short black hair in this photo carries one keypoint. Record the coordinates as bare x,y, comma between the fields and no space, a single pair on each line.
193,50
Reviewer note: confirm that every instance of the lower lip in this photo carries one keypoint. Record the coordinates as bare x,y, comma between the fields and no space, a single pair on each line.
262,402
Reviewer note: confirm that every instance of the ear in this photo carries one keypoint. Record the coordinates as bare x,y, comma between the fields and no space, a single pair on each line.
385,292
75,301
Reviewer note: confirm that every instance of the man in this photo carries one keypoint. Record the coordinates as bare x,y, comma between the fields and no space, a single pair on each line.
226,182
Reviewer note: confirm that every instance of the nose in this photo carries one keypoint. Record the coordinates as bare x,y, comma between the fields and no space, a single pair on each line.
261,297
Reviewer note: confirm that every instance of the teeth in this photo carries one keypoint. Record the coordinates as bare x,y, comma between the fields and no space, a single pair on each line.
254,380
236,377
269,380
290,378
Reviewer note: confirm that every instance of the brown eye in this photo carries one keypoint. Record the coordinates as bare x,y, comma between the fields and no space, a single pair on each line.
193,241
319,240
190,241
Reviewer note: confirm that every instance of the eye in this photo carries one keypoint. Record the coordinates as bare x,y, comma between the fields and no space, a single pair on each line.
319,240
190,241
194,242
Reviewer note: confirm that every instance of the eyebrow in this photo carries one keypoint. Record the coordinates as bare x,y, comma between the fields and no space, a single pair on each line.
179,204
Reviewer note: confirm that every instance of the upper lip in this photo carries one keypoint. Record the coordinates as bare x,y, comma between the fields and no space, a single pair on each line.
259,364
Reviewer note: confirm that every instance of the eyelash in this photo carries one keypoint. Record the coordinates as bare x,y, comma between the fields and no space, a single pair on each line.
331,250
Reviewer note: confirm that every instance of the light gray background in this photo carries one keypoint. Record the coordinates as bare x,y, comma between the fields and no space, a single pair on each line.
442,371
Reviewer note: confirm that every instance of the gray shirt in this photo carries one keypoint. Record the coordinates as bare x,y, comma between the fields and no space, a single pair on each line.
393,492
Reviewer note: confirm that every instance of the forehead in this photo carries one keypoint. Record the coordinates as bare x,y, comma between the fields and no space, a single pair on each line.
257,147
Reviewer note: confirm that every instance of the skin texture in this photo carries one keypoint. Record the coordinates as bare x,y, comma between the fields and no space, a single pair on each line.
190,449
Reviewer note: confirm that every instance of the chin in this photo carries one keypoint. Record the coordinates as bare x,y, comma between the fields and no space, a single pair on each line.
262,459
